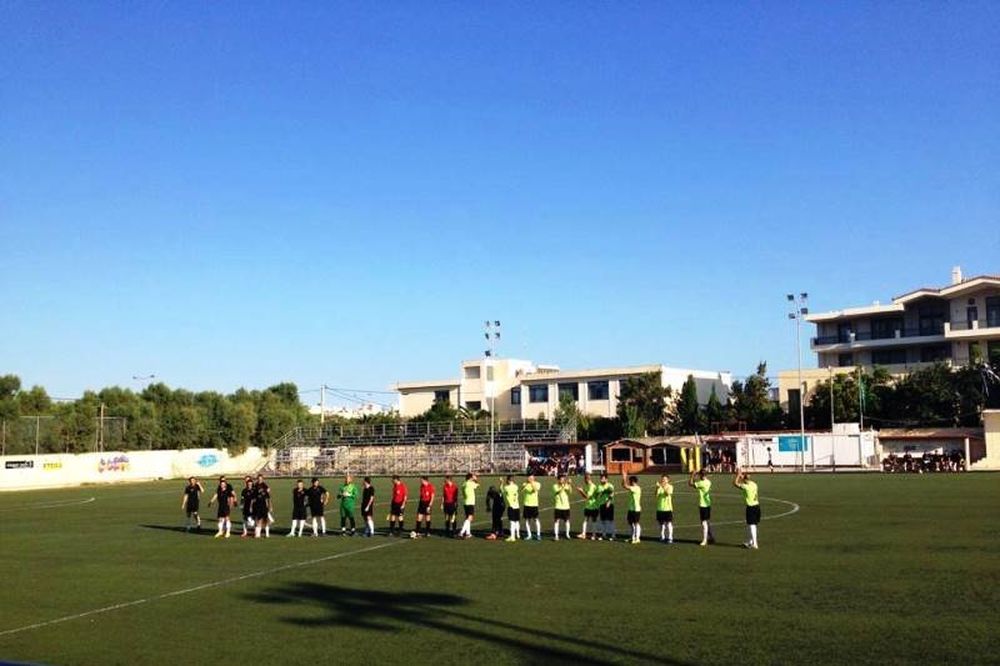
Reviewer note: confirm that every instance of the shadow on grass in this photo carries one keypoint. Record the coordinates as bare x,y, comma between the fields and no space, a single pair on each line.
202,531
391,612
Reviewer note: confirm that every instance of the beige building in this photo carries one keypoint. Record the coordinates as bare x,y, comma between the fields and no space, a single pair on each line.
954,324
522,390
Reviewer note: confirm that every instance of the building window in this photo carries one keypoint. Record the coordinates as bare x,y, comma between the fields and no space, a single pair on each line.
934,353
931,320
597,390
515,395
888,357
489,373
621,455
883,329
538,393
993,352
442,396
993,311
472,372
845,360
572,390
844,330
473,405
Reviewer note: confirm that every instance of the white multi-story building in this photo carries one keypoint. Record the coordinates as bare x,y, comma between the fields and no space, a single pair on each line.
955,324
519,389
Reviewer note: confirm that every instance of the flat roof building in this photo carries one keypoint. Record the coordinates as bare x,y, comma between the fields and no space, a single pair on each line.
519,389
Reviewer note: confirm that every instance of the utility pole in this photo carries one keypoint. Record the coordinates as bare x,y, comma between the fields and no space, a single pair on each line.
832,412
322,404
799,311
491,330
101,449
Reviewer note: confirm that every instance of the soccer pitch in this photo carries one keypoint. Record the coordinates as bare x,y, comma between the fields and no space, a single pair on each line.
863,568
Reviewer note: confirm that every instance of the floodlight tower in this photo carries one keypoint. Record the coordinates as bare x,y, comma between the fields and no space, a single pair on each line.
491,331
799,310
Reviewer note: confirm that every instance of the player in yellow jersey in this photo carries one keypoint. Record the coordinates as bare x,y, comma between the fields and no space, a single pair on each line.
560,500
665,508
529,499
750,496
704,487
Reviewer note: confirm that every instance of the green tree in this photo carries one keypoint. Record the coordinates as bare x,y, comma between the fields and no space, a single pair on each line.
34,401
752,404
715,413
642,403
688,417
10,385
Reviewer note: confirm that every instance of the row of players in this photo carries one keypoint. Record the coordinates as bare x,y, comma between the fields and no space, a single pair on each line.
511,497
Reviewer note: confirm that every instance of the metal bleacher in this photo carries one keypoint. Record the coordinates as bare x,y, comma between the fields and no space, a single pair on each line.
409,447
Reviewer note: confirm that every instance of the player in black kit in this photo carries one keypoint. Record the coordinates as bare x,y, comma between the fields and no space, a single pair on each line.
261,508
318,497
368,507
299,499
246,501
190,501
226,498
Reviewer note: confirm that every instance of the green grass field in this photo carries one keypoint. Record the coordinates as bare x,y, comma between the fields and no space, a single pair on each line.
870,569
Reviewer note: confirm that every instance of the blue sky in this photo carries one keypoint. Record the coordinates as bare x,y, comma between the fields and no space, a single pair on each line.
234,194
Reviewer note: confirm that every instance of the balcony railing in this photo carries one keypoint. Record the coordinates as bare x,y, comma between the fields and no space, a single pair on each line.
975,325
865,336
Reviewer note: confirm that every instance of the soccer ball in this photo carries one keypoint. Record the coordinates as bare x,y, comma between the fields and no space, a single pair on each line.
413,535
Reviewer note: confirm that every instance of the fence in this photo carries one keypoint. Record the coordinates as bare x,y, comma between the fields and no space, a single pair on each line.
62,434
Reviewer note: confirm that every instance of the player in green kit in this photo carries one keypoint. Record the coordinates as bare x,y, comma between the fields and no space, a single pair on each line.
348,496
510,492
469,487
704,487
665,508
529,497
750,496
591,500
560,498
606,508
631,485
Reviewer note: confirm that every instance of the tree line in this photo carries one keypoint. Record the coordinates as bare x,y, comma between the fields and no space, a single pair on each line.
157,417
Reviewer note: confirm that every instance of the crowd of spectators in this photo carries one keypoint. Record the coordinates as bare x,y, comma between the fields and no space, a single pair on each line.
952,461
542,463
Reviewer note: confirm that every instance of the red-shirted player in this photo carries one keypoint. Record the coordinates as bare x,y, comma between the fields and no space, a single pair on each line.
449,504
397,507
424,507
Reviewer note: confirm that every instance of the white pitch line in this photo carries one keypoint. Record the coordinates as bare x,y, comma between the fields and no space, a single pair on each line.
50,505
196,588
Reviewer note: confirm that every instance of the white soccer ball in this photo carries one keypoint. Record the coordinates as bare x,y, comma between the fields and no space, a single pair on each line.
413,535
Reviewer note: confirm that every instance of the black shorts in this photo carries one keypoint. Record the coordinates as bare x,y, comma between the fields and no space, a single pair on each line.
247,513
705,512
423,508
192,507
633,517
365,513
513,514
753,515
470,509
260,513
316,511
299,513
530,512
664,516
591,513
607,512
561,514
223,511
450,508
396,509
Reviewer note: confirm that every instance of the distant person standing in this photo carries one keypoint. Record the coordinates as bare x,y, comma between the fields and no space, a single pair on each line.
449,504
634,516
262,507
246,504
591,500
770,462
318,499
397,506
560,500
665,508
750,496
299,501
529,498
368,507
469,504
425,505
226,498
190,501
704,487
511,494
606,508
495,505
348,496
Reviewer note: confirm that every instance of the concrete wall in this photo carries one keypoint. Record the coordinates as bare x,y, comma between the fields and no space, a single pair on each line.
65,470
991,424
822,450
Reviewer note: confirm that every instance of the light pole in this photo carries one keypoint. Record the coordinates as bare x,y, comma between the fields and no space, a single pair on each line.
491,330
800,310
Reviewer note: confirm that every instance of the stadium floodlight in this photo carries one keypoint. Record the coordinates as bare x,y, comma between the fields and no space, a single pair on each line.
791,297
496,322
798,314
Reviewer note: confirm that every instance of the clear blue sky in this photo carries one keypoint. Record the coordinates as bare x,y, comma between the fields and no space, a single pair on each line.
230,194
